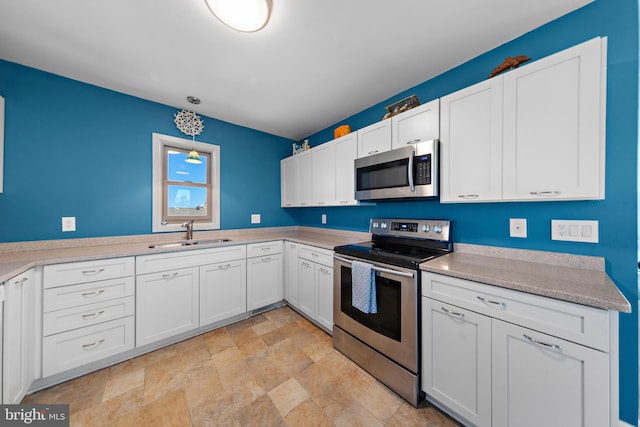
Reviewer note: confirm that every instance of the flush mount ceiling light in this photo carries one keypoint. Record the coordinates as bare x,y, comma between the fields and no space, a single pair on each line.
242,15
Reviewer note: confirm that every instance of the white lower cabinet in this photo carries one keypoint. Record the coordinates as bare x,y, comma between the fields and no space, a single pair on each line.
167,304
456,359
291,273
497,357
264,274
18,361
541,380
315,269
223,291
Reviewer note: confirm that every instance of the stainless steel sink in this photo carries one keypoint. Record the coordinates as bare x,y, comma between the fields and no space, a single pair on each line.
188,243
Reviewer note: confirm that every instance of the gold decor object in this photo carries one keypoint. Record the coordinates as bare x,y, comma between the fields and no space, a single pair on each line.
509,64
401,106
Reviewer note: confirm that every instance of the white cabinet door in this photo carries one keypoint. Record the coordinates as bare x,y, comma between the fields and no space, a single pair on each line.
264,281
421,123
288,182
291,273
223,291
307,296
324,174
346,151
18,337
554,126
375,138
471,143
305,178
456,359
166,304
540,380
324,295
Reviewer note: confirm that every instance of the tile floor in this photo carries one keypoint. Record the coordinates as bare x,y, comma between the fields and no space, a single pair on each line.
274,369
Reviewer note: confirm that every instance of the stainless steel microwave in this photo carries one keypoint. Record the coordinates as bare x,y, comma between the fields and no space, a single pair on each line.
403,173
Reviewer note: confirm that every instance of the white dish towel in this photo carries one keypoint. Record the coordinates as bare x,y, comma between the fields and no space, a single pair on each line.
363,287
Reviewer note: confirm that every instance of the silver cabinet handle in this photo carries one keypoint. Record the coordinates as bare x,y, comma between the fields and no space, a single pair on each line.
305,264
488,301
453,313
315,255
92,315
468,196
92,294
324,271
267,259
92,345
545,193
224,266
265,249
543,344
170,276
413,141
344,202
372,152
21,281
92,272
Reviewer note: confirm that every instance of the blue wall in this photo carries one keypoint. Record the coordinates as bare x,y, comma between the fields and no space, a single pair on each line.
487,224
73,149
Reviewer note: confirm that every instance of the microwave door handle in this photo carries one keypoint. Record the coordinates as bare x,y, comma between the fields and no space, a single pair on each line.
412,187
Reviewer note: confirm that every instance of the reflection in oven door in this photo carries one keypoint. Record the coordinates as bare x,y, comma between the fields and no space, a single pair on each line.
393,330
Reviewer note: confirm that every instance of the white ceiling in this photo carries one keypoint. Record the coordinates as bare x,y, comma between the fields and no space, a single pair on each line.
316,63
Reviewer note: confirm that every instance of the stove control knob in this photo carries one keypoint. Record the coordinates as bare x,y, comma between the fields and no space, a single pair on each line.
383,225
425,228
375,225
437,229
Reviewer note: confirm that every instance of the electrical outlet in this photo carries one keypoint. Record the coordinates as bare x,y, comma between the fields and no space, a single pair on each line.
68,223
518,227
255,218
574,231
324,218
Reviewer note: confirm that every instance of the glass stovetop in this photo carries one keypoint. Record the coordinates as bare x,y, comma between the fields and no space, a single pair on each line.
399,255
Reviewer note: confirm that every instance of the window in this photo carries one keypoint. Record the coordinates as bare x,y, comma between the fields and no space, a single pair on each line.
184,191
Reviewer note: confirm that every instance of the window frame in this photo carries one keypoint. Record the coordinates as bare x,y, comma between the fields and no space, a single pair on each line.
159,142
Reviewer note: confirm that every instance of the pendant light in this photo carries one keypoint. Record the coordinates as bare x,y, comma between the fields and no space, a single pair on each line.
189,123
242,15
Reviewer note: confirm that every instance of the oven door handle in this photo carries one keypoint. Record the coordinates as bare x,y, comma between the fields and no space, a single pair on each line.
379,269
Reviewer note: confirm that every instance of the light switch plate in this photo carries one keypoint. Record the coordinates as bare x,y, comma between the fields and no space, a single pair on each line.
574,230
255,218
68,223
518,227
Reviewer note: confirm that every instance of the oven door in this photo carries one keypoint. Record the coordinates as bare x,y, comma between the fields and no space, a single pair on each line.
393,330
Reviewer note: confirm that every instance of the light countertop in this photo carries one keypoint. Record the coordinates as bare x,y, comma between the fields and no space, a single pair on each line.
571,278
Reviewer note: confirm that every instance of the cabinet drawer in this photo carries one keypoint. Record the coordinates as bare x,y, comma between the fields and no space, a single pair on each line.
87,271
262,249
573,322
69,350
87,293
78,317
184,259
321,256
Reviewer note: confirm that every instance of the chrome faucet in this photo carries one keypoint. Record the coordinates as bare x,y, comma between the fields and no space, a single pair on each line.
189,227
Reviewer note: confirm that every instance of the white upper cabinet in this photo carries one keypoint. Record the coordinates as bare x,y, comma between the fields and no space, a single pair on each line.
324,174
288,182
421,123
305,178
534,133
375,138
346,152
554,126
471,145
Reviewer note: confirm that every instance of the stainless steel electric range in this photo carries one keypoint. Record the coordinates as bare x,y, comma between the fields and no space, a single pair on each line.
387,342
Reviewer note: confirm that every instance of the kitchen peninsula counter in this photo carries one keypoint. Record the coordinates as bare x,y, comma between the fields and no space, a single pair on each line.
566,277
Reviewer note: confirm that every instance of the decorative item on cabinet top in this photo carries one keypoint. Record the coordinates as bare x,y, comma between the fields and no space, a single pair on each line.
509,64
341,130
401,106
301,147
